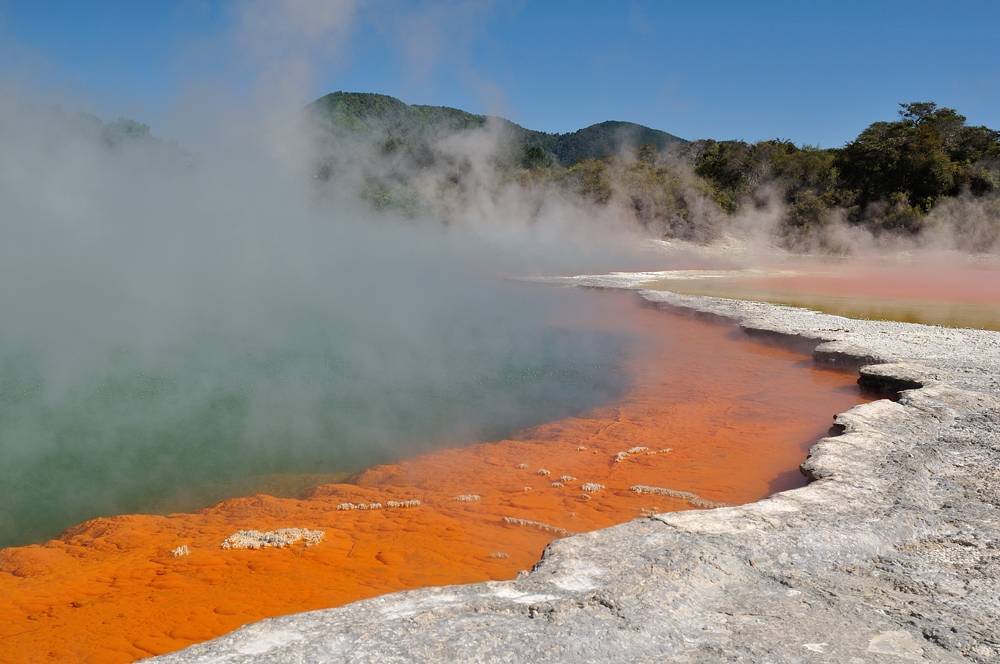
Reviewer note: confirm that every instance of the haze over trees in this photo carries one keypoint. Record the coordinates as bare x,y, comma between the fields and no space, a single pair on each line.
410,125
888,181
925,174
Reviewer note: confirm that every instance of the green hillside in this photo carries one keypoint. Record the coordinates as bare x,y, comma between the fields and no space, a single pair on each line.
926,171
414,123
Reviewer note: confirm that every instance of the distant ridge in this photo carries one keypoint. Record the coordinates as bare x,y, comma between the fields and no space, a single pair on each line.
366,111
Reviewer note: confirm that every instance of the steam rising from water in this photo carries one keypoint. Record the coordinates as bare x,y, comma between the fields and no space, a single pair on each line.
175,316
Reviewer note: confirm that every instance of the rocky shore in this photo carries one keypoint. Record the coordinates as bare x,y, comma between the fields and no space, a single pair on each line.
892,554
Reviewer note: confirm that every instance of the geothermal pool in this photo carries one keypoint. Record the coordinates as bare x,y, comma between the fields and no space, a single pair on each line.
953,291
208,409
702,413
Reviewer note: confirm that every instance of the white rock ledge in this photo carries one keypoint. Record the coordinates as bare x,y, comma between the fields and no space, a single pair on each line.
891,555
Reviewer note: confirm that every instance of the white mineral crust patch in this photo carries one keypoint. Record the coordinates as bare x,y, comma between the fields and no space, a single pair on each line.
278,539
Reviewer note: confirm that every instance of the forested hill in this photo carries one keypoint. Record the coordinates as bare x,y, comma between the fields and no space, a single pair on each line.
413,123
927,172
926,175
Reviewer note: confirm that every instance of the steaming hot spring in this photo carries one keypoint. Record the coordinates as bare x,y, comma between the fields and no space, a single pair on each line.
372,433
473,331
558,411
250,382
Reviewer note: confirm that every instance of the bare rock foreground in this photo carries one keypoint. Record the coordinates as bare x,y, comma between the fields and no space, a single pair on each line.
892,554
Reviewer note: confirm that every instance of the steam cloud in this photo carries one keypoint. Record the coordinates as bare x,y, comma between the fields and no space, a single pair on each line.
179,316
176,317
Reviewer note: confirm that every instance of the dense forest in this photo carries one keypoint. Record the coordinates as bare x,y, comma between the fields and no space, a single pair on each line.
897,179
887,179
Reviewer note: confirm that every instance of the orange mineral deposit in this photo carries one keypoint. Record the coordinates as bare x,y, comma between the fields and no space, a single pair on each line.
708,412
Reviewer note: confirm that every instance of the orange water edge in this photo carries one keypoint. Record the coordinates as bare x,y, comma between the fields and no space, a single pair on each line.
736,415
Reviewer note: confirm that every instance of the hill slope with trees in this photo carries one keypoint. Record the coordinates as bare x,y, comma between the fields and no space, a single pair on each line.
410,124
927,172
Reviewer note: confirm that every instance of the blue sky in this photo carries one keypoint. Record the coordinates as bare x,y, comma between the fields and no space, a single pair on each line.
812,72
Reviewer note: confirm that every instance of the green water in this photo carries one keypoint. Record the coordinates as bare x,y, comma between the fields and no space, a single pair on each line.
201,414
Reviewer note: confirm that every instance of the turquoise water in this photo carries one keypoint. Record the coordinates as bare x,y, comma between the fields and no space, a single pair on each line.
139,426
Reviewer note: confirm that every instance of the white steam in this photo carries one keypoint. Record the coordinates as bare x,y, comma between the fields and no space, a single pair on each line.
177,315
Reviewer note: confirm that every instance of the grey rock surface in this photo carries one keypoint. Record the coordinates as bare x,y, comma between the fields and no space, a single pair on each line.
892,554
